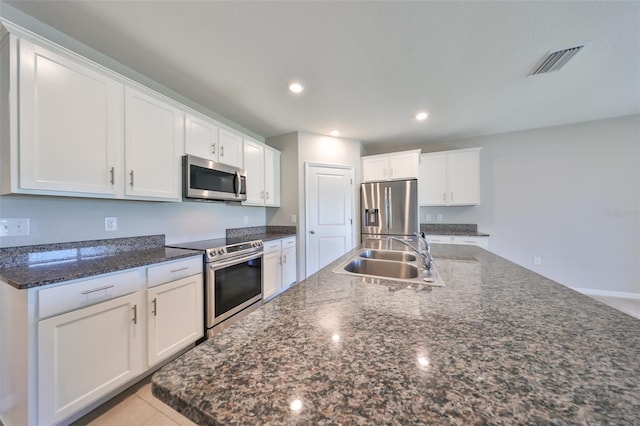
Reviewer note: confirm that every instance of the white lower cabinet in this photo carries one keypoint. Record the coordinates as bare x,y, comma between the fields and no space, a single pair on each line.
174,317
81,341
278,266
85,354
459,239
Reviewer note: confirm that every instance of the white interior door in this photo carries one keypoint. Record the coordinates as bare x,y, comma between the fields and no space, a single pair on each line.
329,206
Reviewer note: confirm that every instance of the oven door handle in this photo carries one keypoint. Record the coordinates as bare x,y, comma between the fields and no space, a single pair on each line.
219,265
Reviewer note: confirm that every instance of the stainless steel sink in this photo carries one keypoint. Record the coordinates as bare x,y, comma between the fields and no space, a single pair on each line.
389,265
398,270
398,256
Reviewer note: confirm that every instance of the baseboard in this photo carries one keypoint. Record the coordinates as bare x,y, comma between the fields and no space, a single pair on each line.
606,293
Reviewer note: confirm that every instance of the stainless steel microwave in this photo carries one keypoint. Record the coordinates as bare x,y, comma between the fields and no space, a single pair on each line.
208,180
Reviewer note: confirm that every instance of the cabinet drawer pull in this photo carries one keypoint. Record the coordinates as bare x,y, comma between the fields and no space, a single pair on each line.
154,311
131,174
112,176
97,289
173,271
135,314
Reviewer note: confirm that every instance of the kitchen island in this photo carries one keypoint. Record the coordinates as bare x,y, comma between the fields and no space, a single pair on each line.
499,344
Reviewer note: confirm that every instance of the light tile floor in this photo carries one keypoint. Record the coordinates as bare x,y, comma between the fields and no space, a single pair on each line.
135,407
628,306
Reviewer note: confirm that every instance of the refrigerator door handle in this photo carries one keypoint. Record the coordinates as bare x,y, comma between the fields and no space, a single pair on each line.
390,209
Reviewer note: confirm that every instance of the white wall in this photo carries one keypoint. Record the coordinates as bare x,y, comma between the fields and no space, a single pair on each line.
568,194
59,219
288,146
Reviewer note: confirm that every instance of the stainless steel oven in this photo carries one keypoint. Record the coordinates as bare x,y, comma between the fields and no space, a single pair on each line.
233,278
207,180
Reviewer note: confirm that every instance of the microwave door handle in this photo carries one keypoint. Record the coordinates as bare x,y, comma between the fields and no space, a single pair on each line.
238,184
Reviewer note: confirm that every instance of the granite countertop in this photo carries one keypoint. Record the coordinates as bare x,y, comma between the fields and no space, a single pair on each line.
264,233
33,266
499,344
466,230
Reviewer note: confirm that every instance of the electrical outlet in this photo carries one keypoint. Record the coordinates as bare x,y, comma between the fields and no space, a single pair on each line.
110,224
427,217
293,218
11,227
246,220
439,217
537,260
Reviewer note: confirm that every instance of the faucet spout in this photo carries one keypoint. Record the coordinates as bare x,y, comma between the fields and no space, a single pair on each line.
425,254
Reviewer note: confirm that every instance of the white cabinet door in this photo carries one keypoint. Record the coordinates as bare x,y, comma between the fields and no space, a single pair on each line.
70,125
404,166
231,149
154,136
175,317
450,178
288,266
254,166
464,181
85,354
375,168
432,184
271,177
201,138
272,274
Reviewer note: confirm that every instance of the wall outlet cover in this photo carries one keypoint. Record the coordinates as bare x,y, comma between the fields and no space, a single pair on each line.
18,227
427,217
110,224
439,217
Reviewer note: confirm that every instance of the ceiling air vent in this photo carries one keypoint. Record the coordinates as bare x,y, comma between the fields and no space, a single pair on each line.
553,61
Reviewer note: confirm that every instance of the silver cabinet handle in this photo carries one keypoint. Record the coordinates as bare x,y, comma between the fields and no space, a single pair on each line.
97,289
222,151
213,148
312,232
267,197
135,314
452,196
284,258
444,197
154,311
279,260
112,175
173,271
131,174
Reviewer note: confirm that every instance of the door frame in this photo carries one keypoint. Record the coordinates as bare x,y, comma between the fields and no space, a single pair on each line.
305,243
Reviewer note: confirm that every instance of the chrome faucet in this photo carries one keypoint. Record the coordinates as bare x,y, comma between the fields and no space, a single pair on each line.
425,254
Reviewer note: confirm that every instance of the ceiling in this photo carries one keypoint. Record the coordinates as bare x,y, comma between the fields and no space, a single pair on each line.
368,67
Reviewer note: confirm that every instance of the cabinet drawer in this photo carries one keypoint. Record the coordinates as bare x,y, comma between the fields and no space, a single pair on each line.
288,242
171,271
272,246
76,295
440,239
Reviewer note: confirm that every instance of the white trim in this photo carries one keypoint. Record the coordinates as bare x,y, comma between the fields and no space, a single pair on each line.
607,293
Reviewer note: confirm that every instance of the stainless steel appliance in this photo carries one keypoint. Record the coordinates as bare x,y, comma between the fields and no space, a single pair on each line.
233,277
389,208
204,179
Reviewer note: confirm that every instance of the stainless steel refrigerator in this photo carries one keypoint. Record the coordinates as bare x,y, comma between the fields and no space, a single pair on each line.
389,208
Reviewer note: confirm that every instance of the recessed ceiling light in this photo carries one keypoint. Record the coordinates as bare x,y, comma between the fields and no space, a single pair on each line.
421,116
335,132
296,87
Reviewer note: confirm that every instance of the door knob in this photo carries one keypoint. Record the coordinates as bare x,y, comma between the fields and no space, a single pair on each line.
312,232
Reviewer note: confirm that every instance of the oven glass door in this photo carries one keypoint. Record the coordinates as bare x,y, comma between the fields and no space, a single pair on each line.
235,287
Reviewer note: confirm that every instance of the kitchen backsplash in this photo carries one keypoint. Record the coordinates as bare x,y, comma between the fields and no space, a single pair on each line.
258,230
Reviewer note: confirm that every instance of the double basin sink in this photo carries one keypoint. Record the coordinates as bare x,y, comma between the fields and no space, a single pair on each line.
389,265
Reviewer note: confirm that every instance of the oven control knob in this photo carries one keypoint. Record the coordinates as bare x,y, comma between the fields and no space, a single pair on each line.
221,251
212,253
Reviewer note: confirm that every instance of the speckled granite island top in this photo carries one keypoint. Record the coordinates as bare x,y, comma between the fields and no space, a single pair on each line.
33,266
498,345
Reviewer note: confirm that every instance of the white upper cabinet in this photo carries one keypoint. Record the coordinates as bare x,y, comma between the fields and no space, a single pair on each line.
262,164
450,178
154,137
394,166
231,148
70,125
201,138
